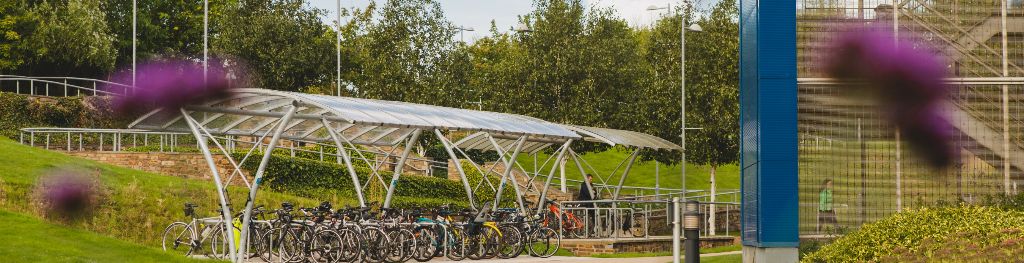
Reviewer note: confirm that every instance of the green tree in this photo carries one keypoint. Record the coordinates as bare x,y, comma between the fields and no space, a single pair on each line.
282,43
166,29
67,37
407,54
13,26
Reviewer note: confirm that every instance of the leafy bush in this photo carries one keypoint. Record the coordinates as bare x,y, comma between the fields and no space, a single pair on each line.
22,111
948,234
316,179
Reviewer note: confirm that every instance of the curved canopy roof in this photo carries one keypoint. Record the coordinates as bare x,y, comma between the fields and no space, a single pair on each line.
623,137
253,112
480,141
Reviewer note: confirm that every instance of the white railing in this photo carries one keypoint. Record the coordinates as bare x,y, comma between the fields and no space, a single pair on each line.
62,86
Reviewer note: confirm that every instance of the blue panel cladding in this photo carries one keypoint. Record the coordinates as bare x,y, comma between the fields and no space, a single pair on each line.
768,98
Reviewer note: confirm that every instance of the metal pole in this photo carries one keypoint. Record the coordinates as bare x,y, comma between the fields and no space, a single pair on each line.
511,163
206,38
247,214
657,179
682,99
676,246
508,171
899,174
134,26
225,210
458,167
863,175
338,46
1006,105
348,162
398,167
551,174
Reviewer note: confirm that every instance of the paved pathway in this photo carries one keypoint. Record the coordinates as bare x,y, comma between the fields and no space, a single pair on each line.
529,259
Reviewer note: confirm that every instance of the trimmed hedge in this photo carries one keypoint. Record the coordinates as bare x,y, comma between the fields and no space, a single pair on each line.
316,179
22,111
944,234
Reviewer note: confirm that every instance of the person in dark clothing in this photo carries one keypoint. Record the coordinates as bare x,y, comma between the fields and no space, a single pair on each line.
588,193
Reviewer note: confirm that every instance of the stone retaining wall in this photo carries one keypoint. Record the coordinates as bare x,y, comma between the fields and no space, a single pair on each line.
582,247
185,165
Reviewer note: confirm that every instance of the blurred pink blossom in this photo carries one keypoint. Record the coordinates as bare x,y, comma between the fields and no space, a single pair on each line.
906,77
170,85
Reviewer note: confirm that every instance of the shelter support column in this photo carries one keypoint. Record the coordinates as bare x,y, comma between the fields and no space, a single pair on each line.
247,214
348,162
551,174
511,163
508,171
458,167
401,164
203,147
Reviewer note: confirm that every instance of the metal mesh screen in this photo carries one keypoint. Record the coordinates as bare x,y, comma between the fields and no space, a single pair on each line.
844,139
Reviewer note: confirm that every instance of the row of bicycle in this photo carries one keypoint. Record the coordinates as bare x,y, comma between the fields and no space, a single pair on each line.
322,234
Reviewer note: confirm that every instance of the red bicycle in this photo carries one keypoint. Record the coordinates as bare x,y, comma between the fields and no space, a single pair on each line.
570,223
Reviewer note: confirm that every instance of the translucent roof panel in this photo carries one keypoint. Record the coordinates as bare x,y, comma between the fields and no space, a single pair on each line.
623,137
365,121
480,141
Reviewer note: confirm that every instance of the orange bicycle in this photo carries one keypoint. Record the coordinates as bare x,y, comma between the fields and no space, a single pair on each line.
571,224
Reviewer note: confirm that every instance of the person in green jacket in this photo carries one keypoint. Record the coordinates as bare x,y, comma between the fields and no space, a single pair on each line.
826,215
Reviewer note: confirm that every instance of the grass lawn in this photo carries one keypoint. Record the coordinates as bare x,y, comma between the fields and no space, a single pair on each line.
723,259
135,206
27,239
642,173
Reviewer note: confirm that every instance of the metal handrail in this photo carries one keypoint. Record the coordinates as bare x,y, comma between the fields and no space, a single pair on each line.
95,89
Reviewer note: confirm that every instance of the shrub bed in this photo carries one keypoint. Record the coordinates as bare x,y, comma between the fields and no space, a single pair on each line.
317,179
21,111
944,234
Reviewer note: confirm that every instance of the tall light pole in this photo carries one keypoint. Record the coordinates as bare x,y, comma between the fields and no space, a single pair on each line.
206,37
462,30
134,25
682,85
338,46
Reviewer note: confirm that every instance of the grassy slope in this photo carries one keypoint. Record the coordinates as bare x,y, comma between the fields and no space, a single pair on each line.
135,205
643,174
28,239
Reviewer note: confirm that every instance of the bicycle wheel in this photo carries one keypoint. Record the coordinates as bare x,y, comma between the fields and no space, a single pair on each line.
492,241
351,248
218,242
375,242
638,225
426,244
544,242
179,238
574,226
509,242
326,246
402,243
456,244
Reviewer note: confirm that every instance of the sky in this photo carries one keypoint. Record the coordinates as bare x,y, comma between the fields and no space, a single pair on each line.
479,13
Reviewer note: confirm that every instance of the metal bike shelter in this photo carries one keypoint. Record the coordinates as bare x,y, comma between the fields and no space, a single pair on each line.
300,117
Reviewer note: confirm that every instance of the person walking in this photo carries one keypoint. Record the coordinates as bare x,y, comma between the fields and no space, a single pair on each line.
826,214
588,193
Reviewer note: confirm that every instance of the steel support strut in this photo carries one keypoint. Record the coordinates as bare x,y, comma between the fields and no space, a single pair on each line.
247,214
551,174
458,167
401,164
225,210
348,162
508,171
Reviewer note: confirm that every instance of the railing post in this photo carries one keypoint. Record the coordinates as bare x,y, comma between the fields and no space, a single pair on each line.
47,89
69,141
32,139
66,88
21,137
17,86
80,142
101,142
47,140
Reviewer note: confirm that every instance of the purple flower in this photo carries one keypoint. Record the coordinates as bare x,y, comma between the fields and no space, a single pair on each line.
906,79
67,193
170,85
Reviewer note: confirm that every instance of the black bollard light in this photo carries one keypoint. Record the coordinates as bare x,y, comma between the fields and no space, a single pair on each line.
691,232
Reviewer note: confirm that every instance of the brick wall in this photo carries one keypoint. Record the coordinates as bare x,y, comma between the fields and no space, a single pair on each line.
186,165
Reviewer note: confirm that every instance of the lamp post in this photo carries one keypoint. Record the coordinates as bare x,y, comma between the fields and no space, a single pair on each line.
682,85
462,29
337,33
